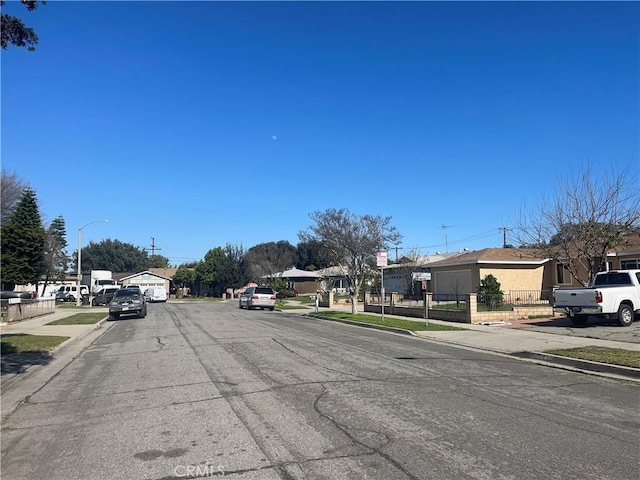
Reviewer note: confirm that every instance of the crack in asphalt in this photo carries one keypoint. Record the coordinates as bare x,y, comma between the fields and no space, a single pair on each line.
355,441
317,364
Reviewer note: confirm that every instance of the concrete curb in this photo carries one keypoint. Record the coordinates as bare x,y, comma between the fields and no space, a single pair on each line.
540,358
579,364
72,340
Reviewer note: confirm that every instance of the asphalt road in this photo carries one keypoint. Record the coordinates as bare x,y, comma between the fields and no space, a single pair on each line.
206,389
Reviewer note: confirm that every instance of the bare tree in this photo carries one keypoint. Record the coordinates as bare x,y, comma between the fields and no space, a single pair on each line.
589,213
11,190
352,242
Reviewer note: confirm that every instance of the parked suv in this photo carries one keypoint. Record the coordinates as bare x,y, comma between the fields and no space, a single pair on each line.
258,297
104,296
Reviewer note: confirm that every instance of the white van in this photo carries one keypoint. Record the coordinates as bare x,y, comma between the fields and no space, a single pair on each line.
68,293
155,294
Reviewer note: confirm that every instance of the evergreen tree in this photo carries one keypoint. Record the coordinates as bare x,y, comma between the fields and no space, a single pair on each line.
56,259
23,243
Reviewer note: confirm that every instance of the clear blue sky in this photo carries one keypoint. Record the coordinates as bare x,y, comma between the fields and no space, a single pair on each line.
207,123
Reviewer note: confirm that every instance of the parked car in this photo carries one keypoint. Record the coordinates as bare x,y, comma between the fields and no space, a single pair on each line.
258,297
155,294
11,294
613,295
68,293
133,287
127,301
104,296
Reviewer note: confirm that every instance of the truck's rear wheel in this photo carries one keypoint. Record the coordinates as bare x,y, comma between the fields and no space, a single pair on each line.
580,320
625,315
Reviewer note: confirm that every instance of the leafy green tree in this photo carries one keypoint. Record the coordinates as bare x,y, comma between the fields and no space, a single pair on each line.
183,278
351,241
232,271
113,255
311,256
222,268
15,32
271,257
23,243
206,270
56,259
158,261
489,291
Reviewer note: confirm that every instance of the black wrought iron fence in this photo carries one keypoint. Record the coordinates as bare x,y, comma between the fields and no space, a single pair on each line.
524,298
519,298
449,302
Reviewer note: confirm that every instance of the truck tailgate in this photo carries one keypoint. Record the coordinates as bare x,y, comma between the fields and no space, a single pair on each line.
575,297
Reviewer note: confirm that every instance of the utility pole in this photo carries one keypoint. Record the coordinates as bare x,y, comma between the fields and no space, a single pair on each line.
397,248
504,235
153,247
446,240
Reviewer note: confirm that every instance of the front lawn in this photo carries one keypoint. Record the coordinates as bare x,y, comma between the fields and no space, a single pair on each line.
614,356
22,343
390,322
80,319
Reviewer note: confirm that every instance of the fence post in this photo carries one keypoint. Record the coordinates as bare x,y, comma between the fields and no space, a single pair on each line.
472,308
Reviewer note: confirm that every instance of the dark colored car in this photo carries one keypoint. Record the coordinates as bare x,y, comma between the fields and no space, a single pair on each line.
11,294
104,296
127,301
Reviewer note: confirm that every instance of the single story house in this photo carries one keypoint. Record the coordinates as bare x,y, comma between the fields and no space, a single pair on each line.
517,270
412,277
302,281
147,279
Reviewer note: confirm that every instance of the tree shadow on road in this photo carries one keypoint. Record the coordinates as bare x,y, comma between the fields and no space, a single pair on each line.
17,363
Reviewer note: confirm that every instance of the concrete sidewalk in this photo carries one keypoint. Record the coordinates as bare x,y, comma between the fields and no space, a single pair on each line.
523,343
22,375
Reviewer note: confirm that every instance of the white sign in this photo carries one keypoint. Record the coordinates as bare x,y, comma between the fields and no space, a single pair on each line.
421,276
381,259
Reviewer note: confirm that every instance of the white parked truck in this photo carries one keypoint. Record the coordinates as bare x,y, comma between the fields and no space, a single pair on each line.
101,279
612,295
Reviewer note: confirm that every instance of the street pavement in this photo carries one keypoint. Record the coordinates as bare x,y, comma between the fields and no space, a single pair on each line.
526,339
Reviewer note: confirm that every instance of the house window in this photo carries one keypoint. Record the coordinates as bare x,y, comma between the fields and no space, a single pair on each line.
629,264
563,276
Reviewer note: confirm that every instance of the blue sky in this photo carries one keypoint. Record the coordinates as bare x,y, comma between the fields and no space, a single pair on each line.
206,123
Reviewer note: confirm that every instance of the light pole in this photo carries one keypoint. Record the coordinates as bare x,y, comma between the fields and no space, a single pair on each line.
79,275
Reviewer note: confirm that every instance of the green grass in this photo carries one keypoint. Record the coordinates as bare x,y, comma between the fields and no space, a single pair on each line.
80,319
287,306
614,356
390,322
21,343
306,299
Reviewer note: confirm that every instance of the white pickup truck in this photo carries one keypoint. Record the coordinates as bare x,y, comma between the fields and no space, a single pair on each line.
612,295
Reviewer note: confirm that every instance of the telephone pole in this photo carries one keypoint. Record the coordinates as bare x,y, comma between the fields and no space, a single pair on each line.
504,235
153,247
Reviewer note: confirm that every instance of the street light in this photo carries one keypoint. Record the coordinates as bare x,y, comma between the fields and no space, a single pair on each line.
79,275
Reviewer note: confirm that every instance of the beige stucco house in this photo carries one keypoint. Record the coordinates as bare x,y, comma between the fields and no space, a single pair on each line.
516,269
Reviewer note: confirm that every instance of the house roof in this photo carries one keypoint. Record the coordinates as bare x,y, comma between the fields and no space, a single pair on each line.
423,260
146,272
630,246
164,272
296,273
505,256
